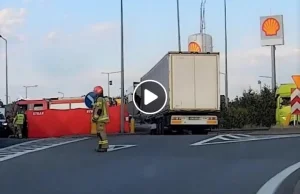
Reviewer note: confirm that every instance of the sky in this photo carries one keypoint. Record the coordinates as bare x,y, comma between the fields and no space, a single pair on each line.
63,46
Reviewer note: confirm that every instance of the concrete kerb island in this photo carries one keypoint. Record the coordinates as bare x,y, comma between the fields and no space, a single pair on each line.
279,131
285,182
290,185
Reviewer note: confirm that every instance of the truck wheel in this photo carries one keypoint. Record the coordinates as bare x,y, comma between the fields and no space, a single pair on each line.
159,127
162,127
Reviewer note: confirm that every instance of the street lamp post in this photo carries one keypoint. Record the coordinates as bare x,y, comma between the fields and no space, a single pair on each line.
263,76
26,87
9,99
122,70
6,69
63,95
108,80
226,62
259,83
178,27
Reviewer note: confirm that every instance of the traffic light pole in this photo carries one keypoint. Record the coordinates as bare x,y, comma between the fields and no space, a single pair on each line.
108,80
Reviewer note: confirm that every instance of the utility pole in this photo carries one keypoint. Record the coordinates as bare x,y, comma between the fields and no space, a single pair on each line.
178,27
6,69
273,59
26,88
122,72
226,54
108,80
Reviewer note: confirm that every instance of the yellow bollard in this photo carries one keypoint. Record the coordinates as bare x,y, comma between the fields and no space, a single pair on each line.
132,125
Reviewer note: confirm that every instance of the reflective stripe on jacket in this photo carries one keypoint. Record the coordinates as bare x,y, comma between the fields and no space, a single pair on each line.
19,119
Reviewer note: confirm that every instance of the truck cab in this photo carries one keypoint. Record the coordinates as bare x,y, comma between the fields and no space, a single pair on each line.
283,104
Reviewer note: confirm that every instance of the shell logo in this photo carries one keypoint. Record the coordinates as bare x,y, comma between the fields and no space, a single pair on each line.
271,27
194,47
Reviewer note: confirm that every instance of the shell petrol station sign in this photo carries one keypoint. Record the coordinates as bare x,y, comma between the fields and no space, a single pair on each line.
295,96
271,30
194,47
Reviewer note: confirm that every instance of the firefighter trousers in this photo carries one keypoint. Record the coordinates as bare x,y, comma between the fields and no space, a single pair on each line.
101,132
19,131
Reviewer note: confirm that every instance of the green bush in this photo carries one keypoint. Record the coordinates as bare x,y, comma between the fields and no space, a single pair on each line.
252,109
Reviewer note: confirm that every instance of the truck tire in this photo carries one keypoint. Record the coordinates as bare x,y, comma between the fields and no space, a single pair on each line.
159,127
162,127
157,130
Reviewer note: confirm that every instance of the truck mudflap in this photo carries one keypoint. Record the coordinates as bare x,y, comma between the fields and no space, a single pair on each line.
194,120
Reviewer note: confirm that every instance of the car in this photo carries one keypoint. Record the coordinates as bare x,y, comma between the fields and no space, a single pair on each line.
4,129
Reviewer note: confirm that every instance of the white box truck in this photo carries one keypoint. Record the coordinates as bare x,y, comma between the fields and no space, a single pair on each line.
193,86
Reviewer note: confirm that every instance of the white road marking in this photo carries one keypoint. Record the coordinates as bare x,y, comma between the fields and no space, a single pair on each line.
34,146
223,138
233,136
220,137
202,143
206,140
24,143
244,135
273,184
119,147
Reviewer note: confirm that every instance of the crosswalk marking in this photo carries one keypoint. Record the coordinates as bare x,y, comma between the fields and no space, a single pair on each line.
34,146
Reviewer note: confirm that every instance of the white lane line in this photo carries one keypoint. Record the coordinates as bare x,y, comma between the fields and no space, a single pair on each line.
39,149
243,140
232,136
273,184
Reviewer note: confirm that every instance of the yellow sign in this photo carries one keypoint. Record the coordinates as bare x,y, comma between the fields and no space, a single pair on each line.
194,47
296,79
271,27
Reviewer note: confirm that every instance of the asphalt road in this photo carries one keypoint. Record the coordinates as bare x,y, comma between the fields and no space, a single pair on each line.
5,142
158,164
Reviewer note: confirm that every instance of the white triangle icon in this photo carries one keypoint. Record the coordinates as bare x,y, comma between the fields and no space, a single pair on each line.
149,97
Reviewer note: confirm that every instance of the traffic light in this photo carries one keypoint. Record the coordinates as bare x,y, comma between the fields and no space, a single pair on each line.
110,83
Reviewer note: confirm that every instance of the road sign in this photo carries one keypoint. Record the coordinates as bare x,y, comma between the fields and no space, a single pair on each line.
194,47
89,99
295,101
296,79
295,96
271,30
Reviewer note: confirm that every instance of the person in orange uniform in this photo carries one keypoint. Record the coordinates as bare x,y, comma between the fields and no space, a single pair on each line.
101,118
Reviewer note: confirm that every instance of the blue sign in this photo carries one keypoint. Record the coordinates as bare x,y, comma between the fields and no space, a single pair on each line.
90,99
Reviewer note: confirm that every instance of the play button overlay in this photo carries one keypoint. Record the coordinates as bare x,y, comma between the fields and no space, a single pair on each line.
150,97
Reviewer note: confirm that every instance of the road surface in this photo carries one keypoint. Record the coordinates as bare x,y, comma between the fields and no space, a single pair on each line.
150,164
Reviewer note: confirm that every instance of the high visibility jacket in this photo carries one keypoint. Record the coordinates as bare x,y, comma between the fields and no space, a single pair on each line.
98,116
19,119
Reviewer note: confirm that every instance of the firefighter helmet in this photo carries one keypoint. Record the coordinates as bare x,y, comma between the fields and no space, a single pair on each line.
98,90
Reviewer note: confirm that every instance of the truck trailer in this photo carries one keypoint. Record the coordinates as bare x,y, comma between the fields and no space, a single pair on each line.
193,92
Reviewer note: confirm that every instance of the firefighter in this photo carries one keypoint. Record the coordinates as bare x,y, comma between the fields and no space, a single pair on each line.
100,117
18,123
